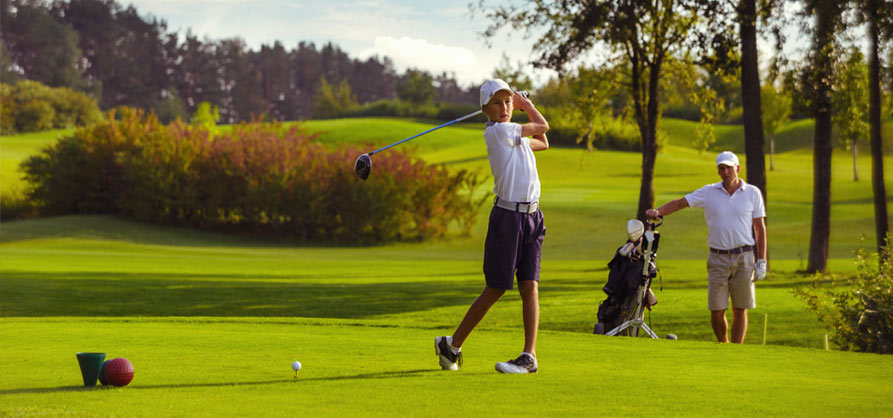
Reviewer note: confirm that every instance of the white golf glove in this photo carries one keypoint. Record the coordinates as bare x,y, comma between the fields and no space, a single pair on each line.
759,270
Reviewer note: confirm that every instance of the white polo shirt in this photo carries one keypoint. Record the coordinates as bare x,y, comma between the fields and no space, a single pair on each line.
729,217
512,163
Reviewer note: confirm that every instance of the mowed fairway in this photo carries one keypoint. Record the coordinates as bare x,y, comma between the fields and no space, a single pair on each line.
213,322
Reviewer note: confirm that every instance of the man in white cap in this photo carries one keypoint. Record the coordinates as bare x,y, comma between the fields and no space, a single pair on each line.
736,224
516,229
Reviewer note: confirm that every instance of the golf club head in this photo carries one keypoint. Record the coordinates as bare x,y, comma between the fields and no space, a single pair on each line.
363,166
634,229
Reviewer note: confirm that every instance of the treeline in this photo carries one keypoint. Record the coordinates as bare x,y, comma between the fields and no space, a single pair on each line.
121,58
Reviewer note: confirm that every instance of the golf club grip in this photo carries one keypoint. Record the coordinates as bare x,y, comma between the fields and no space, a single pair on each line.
470,115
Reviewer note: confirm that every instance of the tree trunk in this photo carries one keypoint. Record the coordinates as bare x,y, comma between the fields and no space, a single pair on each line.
649,142
874,120
821,157
855,155
772,153
754,140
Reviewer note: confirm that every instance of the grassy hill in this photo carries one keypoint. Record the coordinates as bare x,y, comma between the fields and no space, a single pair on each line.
212,322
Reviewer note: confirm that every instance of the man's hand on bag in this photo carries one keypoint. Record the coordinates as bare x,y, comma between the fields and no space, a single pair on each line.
760,270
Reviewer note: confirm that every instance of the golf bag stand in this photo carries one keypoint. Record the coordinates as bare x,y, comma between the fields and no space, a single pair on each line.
647,252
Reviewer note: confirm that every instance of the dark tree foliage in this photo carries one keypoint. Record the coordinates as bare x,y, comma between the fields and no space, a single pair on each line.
43,48
417,87
122,58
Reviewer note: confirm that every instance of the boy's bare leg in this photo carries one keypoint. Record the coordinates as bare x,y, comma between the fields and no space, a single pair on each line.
720,325
476,313
739,325
530,308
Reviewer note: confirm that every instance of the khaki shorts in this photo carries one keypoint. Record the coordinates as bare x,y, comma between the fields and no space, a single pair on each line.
730,275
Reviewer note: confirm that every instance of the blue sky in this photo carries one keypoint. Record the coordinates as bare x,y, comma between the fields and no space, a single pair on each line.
433,36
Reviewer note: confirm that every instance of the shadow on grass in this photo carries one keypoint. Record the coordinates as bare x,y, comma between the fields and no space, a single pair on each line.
42,294
112,228
379,375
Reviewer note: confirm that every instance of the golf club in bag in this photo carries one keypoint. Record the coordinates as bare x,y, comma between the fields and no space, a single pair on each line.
629,283
363,165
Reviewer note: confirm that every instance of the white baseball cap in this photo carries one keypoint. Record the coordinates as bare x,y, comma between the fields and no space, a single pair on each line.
727,158
490,88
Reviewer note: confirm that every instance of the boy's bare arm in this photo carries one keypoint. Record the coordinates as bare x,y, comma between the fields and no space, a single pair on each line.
539,142
537,124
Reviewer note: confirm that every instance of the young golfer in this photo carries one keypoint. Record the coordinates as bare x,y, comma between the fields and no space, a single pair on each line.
515,234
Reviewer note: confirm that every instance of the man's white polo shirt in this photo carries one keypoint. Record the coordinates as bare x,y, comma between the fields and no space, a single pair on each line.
512,163
729,217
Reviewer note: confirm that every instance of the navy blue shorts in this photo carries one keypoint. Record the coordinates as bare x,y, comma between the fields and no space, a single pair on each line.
514,244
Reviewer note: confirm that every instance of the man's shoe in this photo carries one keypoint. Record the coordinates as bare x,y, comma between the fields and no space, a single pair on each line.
448,360
523,364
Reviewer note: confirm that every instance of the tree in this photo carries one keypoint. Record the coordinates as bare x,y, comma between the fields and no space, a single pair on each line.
754,141
416,87
644,32
877,13
306,64
374,79
819,74
776,109
206,115
333,101
170,107
273,66
849,102
196,72
44,49
9,70
590,92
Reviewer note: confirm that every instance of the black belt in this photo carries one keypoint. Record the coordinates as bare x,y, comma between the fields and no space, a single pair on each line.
738,250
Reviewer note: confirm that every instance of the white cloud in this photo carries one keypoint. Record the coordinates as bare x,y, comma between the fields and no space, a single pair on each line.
409,52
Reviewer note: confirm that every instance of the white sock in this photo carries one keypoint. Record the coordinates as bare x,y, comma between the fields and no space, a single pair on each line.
454,349
531,355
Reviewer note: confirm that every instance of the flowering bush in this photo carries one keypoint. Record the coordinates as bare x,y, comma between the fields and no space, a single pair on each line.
260,178
858,309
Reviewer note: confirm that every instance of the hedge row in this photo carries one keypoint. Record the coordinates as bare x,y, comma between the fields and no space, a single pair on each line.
30,106
260,178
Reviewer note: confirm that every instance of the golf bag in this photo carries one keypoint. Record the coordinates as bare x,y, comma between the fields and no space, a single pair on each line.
629,283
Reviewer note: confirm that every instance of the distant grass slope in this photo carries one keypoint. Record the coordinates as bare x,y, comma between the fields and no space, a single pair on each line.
14,149
795,135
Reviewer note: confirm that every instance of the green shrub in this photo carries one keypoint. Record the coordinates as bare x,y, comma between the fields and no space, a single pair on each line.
35,116
259,178
858,309
31,106
15,205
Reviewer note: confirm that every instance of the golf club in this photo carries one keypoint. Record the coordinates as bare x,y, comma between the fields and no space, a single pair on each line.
363,165
364,162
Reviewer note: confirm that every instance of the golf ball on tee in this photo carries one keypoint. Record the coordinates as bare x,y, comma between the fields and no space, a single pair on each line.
296,366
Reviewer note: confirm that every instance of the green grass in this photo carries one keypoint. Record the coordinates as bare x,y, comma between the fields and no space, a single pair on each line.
212,322
240,366
16,148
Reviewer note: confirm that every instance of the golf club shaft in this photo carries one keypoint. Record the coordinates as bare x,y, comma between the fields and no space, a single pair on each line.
470,115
